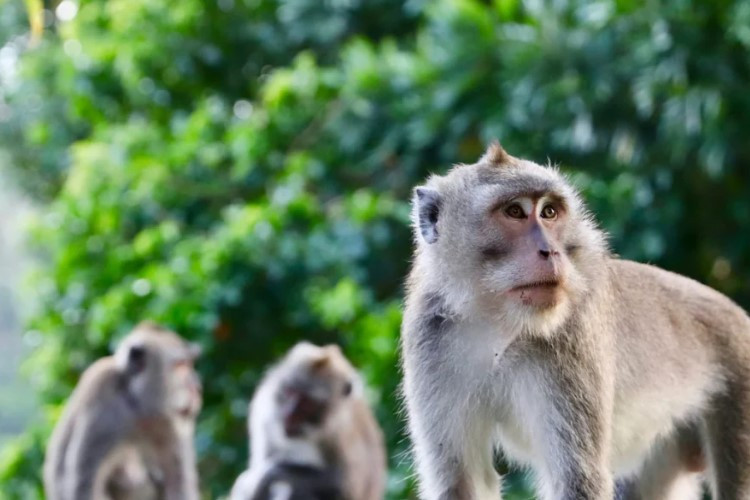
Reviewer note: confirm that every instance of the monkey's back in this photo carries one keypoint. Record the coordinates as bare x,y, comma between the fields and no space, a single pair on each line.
675,309
363,454
97,382
669,362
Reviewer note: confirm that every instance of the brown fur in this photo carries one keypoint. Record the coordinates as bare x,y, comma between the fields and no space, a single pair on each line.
497,155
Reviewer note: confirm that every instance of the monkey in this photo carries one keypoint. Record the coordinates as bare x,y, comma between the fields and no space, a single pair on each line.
312,434
523,333
127,430
135,474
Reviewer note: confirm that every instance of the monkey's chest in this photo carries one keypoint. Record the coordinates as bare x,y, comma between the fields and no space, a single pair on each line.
519,406
488,368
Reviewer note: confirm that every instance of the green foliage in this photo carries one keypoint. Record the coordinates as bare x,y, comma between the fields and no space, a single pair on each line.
241,170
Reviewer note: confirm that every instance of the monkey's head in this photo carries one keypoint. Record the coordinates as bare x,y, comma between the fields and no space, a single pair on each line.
505,236
315,384
158,369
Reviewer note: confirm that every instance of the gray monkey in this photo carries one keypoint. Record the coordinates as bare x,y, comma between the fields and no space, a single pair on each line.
523,333
127,430
312,433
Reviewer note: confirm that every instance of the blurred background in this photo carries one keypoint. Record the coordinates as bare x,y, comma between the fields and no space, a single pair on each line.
240,170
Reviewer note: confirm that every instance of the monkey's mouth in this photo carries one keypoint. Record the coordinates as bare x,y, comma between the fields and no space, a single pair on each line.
301,411
552,283
542,293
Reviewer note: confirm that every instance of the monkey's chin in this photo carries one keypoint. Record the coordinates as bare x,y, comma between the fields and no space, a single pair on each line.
540,312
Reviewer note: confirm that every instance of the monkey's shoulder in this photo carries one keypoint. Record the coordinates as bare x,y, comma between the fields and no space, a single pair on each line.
427,320
98,380
101,395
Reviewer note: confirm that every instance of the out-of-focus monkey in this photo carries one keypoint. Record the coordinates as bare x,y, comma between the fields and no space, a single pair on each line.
127,430
312,434
521,331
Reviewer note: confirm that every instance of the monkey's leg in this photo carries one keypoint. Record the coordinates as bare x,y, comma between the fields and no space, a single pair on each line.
727,435
672,471
681,487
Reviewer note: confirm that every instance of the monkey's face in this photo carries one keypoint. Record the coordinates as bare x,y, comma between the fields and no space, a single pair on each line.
186,391
159,366
302,409
523,255
503,238
319,380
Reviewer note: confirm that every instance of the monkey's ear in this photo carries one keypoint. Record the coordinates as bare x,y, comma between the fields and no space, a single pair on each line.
136,361
427,203
347,389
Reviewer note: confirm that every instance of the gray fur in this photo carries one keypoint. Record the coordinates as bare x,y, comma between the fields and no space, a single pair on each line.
629,368
125,433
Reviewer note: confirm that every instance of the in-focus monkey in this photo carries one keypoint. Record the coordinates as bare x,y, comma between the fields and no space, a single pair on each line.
312,434
127,430
522,332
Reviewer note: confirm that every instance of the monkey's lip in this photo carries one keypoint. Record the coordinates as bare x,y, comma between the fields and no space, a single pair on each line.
541,284
541,294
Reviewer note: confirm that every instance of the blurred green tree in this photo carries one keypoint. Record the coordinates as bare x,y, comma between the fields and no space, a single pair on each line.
241,170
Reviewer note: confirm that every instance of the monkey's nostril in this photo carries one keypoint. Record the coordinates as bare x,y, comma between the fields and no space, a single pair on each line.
545,253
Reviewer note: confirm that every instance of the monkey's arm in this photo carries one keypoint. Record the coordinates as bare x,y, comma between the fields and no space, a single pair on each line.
54,461
251,484
94,438
450,429
288,480
91,384
174,454
574,431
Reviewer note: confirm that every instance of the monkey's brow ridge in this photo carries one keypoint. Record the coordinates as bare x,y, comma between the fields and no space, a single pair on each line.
508,195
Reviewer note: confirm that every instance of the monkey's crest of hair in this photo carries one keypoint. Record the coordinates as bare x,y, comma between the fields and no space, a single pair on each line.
150,326
317,362
496,155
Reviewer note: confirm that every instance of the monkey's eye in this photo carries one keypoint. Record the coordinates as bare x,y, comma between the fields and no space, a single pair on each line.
347,389
136,358
515,211
548,212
